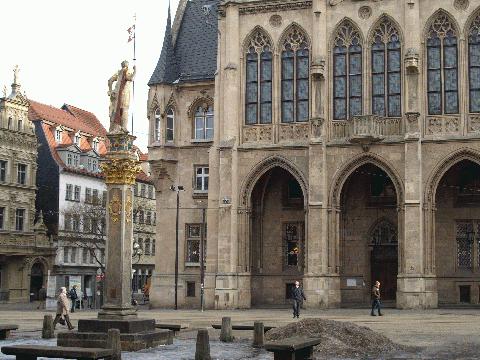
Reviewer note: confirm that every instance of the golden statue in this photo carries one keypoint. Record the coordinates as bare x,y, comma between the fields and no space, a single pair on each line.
120,97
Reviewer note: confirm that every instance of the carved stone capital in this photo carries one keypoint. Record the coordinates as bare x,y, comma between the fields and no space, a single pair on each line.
412,61
318,68
121,171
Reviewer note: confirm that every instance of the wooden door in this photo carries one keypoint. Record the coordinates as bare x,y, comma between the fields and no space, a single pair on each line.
384,268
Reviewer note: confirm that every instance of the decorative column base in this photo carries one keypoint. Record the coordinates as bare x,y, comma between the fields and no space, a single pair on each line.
417,291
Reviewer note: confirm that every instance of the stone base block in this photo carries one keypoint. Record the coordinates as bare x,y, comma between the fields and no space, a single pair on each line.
135,334
417,292
117,313
322,292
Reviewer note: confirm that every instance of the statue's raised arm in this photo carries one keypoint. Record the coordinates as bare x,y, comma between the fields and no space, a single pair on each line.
120,97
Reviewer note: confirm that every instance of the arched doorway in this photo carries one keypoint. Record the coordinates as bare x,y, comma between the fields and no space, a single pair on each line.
36,280
457,234
368,235
277,239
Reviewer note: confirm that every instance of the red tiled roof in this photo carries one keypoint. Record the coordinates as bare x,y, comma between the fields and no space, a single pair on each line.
87,118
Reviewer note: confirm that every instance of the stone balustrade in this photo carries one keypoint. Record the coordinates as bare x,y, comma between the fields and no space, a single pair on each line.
371,126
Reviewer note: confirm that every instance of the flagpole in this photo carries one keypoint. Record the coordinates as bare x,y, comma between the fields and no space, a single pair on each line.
134,62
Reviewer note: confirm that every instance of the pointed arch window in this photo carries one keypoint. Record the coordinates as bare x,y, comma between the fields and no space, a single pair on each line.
169,132
295,77
442,67
384,233
158,118
258,97
347,73
204,123
386,71
474,65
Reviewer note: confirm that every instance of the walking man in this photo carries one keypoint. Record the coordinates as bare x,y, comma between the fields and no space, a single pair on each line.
73,297
62,309
298,297
376,299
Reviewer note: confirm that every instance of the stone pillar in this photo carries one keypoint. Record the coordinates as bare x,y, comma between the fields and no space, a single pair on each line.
226,332
47,330
120,169
202,349
258,334
113,342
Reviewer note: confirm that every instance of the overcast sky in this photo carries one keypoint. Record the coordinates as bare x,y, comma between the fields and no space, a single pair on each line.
67,50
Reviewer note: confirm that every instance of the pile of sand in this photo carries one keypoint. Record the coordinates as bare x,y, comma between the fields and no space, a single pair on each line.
339,339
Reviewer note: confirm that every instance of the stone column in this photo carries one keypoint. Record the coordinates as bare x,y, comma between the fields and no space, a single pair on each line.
120,169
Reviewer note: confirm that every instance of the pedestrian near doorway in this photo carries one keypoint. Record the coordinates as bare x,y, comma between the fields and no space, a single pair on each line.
376,304
298,297
73,297
62,310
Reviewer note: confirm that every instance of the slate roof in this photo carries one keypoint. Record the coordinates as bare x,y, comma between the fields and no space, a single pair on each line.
193,57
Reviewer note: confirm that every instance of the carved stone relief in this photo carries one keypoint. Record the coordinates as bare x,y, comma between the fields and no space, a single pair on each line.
276,20
365,12
461,4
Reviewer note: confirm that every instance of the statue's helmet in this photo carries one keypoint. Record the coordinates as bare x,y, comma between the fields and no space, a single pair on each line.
124,64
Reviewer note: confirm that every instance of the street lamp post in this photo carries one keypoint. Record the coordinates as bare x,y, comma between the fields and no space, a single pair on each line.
177,188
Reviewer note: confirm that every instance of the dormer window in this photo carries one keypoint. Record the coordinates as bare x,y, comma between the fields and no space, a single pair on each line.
20,124
94,165
76,139
95,144
58,135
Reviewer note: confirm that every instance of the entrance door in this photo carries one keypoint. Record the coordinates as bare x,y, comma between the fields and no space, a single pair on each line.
384,265
36,281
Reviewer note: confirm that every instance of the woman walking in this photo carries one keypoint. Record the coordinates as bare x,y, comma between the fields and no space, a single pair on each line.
62,309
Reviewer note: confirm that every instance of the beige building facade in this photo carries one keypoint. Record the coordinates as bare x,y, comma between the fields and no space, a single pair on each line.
335,141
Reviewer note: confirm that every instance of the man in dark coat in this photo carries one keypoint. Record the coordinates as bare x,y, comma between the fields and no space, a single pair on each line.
376,299
298,296
73,297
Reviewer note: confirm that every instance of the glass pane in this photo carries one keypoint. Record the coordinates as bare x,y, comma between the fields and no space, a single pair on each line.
394,83
287,112
287,90
378,84
266,92
450,60
169,134
434,41
205,182
340,65
434,104
340,109
302,111
340,87
451,79
339,50
394,106
433,58
355,107
266,70
193,251
450,39
394,60
394,44
475,55
266,113
379,105
475,78
302,67
356,85
199,128
356,64
251,114
209,133
210,122
302,89
252,89
287,69
251,71
434,80
451,102
378,60
475,101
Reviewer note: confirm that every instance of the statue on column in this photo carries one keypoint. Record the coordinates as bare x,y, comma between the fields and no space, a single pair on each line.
120,97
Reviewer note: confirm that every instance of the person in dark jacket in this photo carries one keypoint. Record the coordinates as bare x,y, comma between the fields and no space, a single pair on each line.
376,299
298,296
73,297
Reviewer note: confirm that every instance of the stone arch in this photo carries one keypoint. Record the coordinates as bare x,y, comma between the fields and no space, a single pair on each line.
264,166
258,33
203,100
472,18
341,176
435,16
382,221
171,104
378,22
290,28
443,166
338,28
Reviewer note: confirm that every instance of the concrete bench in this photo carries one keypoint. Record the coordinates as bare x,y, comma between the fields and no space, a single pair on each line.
243,327
174,327
5,330
31,352
295,348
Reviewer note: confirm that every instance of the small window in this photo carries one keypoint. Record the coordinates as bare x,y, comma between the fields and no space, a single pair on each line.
150,192
10,123
141,217
190,288
19,219
193,243
20,124
84,256
73,255
204,123
76,139
69,192
95,198
201,178
3,170
22,174
289,290
147,247
464,294
149,218
2,218
75,223
76,194
95,145
143,190
89,164
94,165
69,159
170,126
153,246
65,255
76,160
58,135
465,238
88,195
158,125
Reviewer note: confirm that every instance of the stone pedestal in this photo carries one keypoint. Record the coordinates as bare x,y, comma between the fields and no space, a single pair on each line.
120,169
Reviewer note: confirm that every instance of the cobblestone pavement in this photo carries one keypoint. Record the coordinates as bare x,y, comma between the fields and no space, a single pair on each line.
439,333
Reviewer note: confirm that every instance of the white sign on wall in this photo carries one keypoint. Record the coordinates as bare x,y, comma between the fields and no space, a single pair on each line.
351,282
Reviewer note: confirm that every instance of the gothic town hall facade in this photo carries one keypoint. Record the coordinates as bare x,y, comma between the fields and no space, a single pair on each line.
336,142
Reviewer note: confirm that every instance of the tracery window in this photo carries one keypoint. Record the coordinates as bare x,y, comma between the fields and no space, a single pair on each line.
465,241
158,118
204,123
258,97
442,67
474,65
384,233
295,76
347,73
170,125
386,70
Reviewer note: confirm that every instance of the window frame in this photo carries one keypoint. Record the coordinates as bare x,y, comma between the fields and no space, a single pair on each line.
170,117
69,192
20,219
474,26
204,176
204,113
3,212
22,174
77,193
194,237
157,116
3,170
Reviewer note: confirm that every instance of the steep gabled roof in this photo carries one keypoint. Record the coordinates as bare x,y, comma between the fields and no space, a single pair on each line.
87,118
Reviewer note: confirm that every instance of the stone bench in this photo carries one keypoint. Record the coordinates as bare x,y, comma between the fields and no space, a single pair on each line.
5,330
295,348
174,327
243,327
31,352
